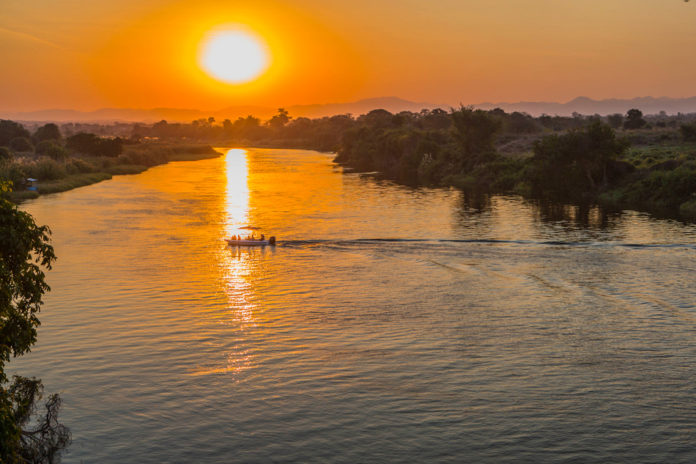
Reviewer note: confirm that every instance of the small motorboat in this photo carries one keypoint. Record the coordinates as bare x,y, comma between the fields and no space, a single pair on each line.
251,242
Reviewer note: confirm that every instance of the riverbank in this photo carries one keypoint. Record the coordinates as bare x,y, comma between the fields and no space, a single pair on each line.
53,176
651,170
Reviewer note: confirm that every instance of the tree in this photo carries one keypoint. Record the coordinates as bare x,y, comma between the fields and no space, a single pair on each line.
51,149
10,130
615,120
47,132
25,251
21,144
475,131
90,144
575,162
280,119
634,119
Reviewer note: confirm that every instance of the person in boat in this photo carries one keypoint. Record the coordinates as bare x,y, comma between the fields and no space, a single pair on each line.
262,238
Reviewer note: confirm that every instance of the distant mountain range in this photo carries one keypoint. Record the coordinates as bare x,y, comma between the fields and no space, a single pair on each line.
392,104
582,105
587,106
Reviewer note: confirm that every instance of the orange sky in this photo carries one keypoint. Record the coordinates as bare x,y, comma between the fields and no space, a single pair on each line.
86,55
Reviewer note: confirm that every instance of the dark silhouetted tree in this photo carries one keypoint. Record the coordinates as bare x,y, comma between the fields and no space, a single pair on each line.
279,120
615,120
10,130
47,132
634,119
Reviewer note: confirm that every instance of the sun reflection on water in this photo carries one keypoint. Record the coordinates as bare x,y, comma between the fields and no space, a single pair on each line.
237,192
237,267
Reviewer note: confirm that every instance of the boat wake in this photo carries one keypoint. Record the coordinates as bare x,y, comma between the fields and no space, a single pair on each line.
549,243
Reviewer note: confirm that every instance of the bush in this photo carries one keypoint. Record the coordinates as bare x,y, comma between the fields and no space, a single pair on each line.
687,209
660,189
52,150
21,144
10,130
90,144
5,154
689,132
47,132
14,173
45,169
78,166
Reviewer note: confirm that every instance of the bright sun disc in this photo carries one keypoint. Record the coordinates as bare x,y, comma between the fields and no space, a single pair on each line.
234,57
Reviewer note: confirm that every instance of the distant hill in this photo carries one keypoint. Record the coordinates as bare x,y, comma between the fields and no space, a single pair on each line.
392,104
582,105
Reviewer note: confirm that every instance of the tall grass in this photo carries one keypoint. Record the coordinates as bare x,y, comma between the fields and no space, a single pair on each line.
58,175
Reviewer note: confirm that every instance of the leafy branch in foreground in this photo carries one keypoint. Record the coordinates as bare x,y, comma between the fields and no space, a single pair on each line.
25,250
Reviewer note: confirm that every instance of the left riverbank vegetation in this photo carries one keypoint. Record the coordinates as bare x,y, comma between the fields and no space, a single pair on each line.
630,160
29,431
58,159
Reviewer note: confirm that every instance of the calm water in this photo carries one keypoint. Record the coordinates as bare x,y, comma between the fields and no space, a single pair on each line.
389,325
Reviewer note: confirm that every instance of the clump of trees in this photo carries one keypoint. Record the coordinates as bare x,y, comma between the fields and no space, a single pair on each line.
577,161
90,144
634,120
25,250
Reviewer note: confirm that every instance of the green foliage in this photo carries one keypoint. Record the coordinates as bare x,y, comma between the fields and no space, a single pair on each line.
25,251
47,132
575,162
12,172
78,166
45,169
51,149
659,189
21,144
475,130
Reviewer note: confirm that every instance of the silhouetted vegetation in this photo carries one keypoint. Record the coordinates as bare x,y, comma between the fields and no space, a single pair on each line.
90,144
25,434
575,158
634,120
48,131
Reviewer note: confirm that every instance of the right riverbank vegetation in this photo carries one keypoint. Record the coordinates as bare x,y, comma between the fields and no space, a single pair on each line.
622,161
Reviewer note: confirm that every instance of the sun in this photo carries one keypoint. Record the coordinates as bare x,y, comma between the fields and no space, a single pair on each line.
234,56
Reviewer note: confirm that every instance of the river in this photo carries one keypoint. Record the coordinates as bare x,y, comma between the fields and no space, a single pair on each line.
390,324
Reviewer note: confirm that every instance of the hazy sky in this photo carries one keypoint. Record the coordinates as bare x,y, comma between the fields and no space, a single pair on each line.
87,54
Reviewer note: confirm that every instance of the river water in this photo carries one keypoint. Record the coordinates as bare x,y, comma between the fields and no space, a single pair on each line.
390,324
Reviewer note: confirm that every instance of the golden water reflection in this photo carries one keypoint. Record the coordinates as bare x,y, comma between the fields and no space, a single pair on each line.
237,266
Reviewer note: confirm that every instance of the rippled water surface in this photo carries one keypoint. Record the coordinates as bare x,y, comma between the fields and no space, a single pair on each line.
388,325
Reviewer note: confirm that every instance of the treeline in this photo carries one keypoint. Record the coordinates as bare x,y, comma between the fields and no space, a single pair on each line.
576,158
326,133
60,163
586,162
